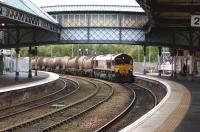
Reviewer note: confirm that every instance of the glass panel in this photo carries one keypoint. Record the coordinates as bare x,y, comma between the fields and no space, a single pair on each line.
94,20
139,21
54,16
71,20
126,21
77,20
65,21
101,20
114,21
133,21
83,20
107,20
59,19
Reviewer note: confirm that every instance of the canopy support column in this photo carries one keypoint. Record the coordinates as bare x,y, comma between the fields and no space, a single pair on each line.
159,62
36,61
17,64
144,59
30,67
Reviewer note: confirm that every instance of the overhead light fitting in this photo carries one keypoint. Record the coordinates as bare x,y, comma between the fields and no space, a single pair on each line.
3,24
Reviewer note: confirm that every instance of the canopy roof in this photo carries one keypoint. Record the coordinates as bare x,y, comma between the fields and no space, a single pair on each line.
29,7
108,56
170,13
25,12
93,8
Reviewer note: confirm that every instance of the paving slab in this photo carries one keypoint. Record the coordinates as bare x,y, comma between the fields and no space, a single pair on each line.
8,83
168,114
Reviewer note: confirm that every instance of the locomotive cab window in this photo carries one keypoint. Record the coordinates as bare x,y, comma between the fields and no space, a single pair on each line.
96,63
121,60
108,64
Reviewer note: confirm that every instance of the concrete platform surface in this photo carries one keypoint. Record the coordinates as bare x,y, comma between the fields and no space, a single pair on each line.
168,114
191,121
8,83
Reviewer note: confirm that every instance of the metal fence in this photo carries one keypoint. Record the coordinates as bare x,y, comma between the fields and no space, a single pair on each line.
150,67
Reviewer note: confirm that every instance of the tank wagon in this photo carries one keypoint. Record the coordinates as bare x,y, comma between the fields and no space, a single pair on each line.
42,63
61,64
114,67
72,66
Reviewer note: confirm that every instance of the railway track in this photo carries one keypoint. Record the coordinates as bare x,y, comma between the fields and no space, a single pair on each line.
144,101
103,113
17,109
25,112
102,96
55,118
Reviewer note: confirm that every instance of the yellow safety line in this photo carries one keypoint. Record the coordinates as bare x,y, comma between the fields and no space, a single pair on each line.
175,118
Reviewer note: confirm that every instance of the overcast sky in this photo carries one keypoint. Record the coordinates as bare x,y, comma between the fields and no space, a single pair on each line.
84,2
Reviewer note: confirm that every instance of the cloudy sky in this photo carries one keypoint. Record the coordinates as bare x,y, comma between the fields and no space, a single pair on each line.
84,2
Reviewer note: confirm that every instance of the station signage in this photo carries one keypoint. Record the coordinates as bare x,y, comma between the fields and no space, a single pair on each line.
195,20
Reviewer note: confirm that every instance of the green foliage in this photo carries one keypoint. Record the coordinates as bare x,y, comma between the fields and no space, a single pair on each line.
137,52
66,50
24,52
152,54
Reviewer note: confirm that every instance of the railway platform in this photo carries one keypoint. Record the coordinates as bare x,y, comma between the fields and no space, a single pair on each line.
8,83
190,122
169,114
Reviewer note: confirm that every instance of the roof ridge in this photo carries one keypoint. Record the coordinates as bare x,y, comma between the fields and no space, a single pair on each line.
90,5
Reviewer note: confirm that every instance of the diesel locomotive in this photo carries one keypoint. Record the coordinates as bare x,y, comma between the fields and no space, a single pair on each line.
114,67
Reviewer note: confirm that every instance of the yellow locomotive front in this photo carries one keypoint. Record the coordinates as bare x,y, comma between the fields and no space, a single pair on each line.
117,68
123,67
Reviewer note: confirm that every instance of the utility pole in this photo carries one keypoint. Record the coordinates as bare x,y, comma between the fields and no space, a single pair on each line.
149,55
138,47
72,50
51,51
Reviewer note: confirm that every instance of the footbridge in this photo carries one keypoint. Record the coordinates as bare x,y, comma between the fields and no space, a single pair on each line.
24,24
100,23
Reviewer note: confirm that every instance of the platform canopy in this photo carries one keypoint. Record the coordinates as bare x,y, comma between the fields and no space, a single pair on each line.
170,22
93,8
22,23
170,13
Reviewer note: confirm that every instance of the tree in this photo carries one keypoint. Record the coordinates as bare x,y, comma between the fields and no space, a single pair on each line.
137,53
